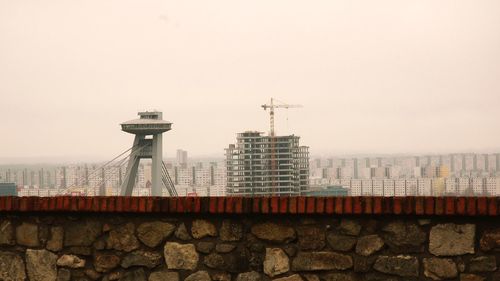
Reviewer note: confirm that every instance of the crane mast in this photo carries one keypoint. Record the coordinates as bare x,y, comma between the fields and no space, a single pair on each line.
271,107
272,135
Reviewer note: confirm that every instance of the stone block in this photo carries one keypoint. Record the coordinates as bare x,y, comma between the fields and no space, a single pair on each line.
55,242
214,261
199,276
180,256
141,258
405,266
27,235
368,245
104,262
273,232
203,228
313,261
452,239
224,248
342,243
11,267
311,237
249,276
6,233
231,231
205,247
439,269
490,240
41,265
182,233
404,237
276,262
70,261
153,233
123,238
349,227
483,264
164,275
82,233
363,264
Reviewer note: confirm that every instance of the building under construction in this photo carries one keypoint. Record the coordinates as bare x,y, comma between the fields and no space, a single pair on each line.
266,165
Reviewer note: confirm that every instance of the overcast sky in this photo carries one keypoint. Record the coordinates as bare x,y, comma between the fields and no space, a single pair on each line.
373,76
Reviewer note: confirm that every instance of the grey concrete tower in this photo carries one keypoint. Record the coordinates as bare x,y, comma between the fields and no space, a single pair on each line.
149,124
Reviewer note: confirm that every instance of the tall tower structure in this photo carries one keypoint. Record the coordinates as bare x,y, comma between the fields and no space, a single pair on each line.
497,163
474,162
355,167
486,163
41,180
148,130
452,163
182,158
464,163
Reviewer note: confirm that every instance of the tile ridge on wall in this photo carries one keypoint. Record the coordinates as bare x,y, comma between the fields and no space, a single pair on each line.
360,205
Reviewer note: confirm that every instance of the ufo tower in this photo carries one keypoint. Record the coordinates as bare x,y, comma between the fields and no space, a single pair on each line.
148,130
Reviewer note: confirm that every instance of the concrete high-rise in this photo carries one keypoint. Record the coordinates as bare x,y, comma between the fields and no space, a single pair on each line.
497,162
182,157
355,167
265,165
452,163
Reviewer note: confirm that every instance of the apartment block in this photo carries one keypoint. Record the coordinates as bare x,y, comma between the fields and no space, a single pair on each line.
264,165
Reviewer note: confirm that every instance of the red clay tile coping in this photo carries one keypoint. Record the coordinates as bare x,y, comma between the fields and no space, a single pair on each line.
366,205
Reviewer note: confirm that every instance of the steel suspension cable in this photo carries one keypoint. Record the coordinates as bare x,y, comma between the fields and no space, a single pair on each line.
96,170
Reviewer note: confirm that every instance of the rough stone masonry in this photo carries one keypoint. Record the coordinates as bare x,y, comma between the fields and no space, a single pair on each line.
200,247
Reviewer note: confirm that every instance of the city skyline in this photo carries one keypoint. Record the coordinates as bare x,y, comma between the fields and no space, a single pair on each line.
406,78
457,174
54,161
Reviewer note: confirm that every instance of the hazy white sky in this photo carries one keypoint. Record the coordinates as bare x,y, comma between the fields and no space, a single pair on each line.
373,76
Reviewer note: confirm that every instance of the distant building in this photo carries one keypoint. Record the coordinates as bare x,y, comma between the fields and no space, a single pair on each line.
8,189
200,179
489,186
182,157
332,190
253,168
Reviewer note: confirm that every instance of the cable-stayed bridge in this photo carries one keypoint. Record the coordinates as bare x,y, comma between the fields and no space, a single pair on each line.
148,130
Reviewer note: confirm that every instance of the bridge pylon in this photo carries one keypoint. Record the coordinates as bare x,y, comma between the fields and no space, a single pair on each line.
148,143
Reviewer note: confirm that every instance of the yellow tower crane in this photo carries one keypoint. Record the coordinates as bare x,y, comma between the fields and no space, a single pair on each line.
272,135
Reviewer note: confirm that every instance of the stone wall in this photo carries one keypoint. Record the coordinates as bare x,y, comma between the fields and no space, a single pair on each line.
196,245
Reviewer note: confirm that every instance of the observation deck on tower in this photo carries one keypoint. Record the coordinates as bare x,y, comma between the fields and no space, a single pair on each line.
149,123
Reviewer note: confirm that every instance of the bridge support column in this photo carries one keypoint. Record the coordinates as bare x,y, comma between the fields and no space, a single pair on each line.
132,167
156,189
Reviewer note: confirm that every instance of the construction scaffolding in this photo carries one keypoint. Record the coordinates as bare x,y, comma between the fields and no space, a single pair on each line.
266,165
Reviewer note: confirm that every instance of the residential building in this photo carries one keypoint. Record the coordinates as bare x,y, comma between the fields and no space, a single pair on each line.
264,165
